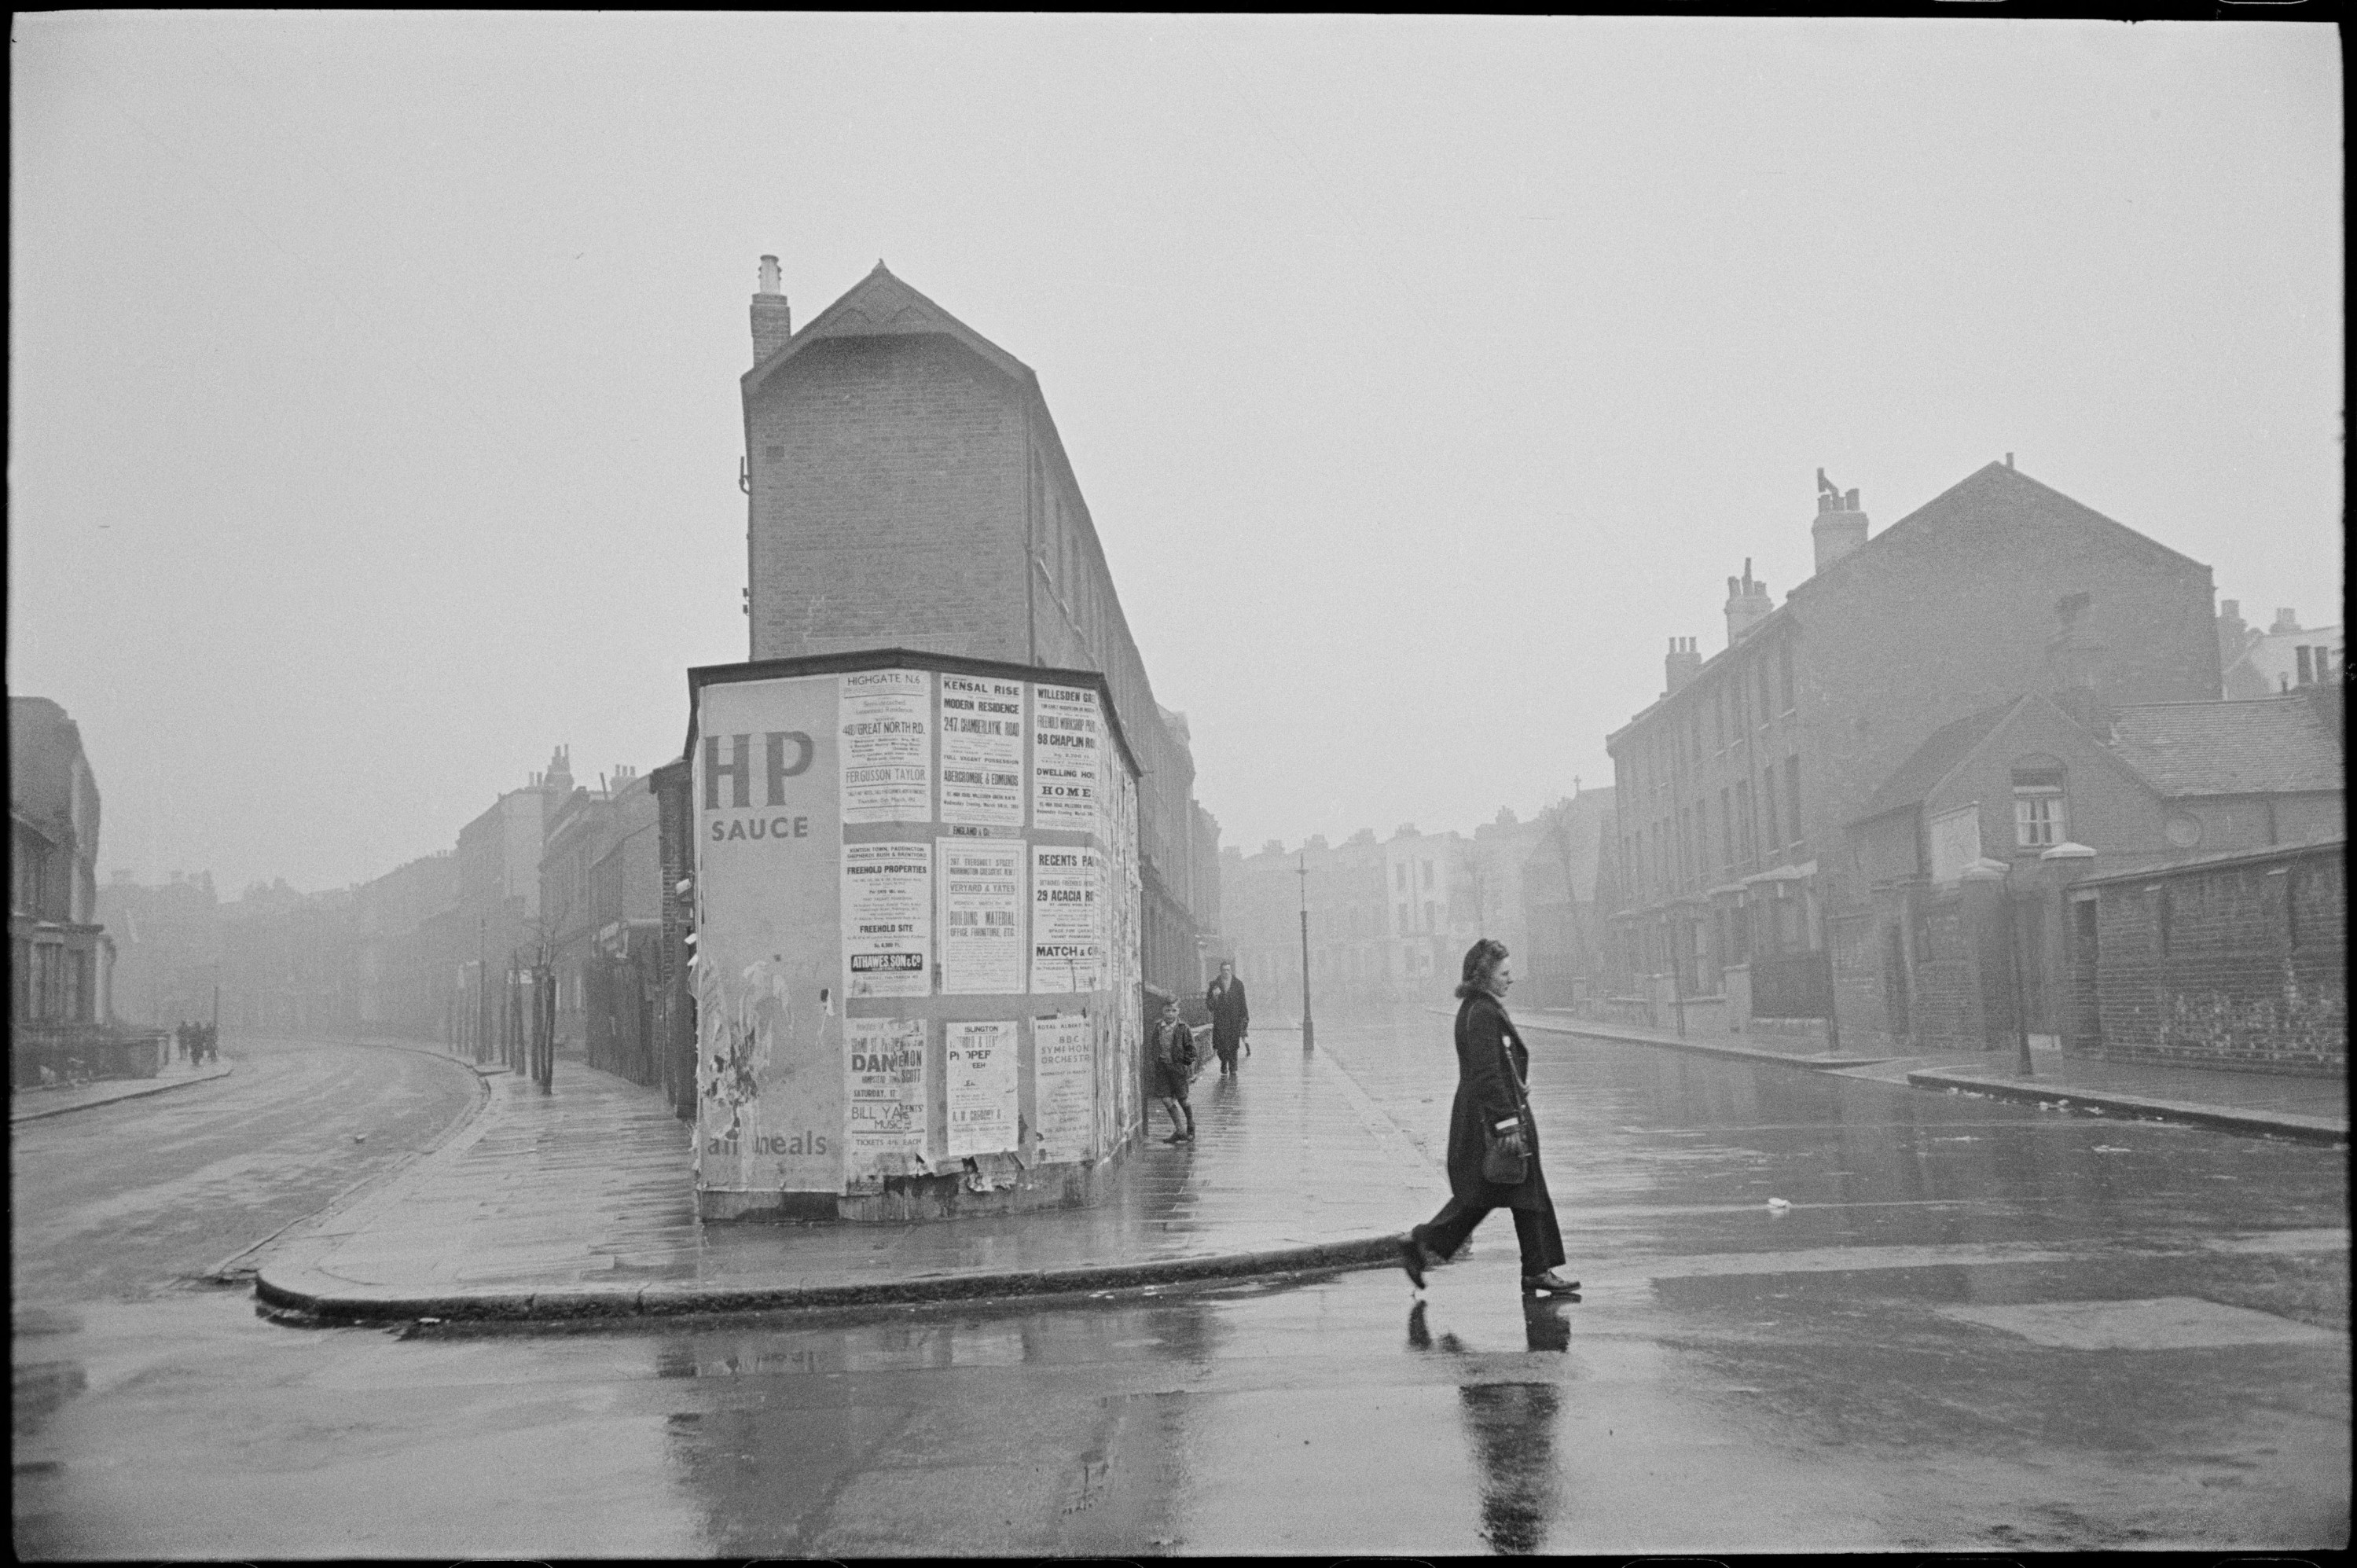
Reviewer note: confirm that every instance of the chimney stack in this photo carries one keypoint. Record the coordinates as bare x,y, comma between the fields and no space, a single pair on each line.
1748,603
2285,621
773,318
1684,663
1840,527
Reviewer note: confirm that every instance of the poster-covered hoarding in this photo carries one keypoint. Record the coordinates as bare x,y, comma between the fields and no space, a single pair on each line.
917,945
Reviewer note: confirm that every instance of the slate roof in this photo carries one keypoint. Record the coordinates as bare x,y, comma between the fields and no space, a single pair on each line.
1932,761
2260,746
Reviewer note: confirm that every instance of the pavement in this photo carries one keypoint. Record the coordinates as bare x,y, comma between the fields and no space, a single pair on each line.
578,1203
32,1105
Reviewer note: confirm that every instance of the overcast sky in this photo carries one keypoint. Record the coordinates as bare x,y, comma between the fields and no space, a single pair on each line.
374,418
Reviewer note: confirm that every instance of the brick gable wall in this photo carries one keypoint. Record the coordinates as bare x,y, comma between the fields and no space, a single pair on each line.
890,479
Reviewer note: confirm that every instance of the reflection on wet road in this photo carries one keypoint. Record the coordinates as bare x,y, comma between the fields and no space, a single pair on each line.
1977,1328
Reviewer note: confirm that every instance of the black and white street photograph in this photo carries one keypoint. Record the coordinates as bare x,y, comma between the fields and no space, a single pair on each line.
845,785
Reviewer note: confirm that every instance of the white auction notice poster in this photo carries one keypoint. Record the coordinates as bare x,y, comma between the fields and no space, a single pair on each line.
981,884
1068,937
887,927
1067,735
885,717
978,1061
982,751
1064,1088
885,1085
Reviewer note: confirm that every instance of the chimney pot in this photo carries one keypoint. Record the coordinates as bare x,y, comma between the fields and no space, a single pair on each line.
774,317
1682,665
1840,527
1748,603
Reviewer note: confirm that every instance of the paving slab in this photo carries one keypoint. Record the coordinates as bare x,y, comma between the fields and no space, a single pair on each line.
580,1203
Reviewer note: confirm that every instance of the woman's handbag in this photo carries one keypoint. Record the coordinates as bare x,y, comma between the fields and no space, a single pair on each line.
1505,1151
1503,1161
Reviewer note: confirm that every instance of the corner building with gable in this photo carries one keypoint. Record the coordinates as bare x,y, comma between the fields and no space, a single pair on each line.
907,489
1744,901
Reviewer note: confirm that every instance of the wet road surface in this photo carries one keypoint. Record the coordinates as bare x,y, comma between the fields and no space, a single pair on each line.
1976,1327
130,1199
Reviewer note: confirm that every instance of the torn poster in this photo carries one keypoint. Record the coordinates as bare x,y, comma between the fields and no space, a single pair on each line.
978,1061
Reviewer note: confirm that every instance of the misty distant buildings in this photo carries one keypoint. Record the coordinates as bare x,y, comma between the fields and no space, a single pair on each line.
1867,811
601,910
1390,919
909,489
166,947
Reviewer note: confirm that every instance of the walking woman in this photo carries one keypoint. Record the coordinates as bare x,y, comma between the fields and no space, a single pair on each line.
1493,1142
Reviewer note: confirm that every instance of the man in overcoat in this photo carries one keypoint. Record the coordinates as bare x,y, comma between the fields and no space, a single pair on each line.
1231,1017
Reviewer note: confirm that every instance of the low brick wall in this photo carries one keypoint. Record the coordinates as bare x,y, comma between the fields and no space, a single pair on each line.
2230,966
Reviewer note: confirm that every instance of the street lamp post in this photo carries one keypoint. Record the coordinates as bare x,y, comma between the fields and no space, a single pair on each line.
1308,1026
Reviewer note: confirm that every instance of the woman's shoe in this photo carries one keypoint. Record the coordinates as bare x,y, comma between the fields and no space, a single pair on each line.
1412,1259
1548,1283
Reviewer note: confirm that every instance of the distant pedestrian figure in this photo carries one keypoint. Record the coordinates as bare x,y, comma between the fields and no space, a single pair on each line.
1493,1107
1174,1067
1231,1017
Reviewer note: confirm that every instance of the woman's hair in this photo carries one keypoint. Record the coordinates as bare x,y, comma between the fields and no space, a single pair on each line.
1481,962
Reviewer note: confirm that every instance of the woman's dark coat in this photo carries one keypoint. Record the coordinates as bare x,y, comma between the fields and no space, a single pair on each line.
1485,1096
